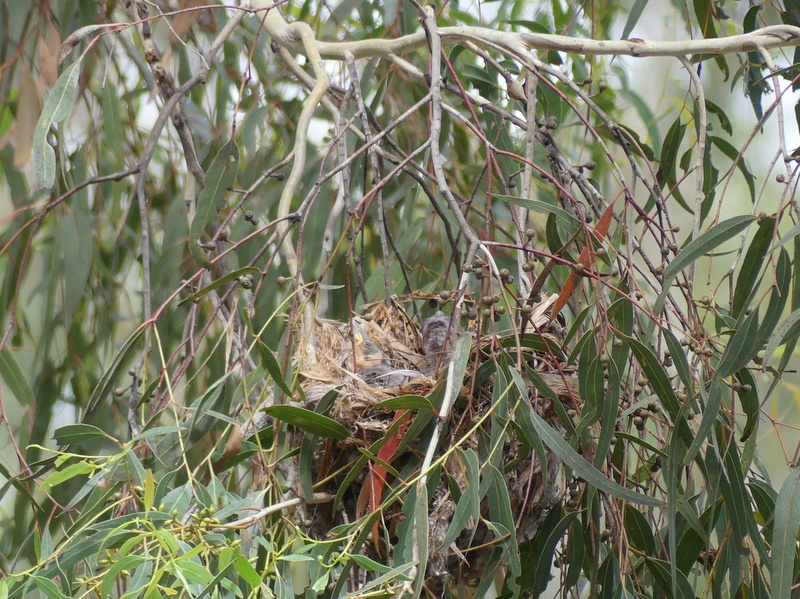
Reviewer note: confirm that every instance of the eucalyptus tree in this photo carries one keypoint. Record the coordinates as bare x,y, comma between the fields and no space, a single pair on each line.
373,299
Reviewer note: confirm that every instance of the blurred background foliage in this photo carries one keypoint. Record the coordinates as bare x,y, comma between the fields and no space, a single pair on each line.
149,312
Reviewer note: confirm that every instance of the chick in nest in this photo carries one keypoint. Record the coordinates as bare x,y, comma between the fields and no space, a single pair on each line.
367,354
374,366
438,338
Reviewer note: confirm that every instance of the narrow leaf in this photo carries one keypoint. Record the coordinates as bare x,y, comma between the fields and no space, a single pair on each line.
781,335
784,538
777,297
270,362
569,223
309,421
741,348
221,175
639,531
57,107
13,376
706,242
633,17
79,433
735,155
578,463
223,280
698,248
748,396
751,266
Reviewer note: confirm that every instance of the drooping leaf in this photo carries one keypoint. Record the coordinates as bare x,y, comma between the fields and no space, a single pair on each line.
270,363
638,530
741,348
221,176
57,107
786,332
699,247
664,579
735,155
579,464
77,249
79,433
633,17
565,220
778,296
309,421
16,380
748,396
666,174
223,280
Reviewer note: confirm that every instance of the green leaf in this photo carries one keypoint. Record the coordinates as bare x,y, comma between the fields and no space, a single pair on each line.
736,156
221,176
639,531
70,472
710,413
790,234
699,247
126,562
784,537
247,572
48,587
113,131
77,249
578,463
666,174
405,402
544,557
751,266
193,572
223,280
664,581
679,360
660,382
748,396
734,494
468,507
569,223
706,242
57,107
502,518
369,564
633,17
741,348
270,362
15,379
309,421
724,121
785,332
222,576
777,297
458,369
308,447
109,378
79,433
522,416
608,413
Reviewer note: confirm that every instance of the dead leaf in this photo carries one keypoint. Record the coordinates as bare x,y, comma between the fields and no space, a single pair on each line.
29,108
184,20
586,259
48,57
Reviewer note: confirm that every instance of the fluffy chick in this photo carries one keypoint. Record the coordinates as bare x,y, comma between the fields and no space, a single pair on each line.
438,338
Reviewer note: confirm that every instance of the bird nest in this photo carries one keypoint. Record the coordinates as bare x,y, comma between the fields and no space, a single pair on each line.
384,354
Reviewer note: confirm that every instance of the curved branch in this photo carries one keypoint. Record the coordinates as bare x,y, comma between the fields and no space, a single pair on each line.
775,36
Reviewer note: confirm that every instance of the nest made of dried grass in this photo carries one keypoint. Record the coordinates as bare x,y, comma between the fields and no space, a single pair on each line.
532,491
